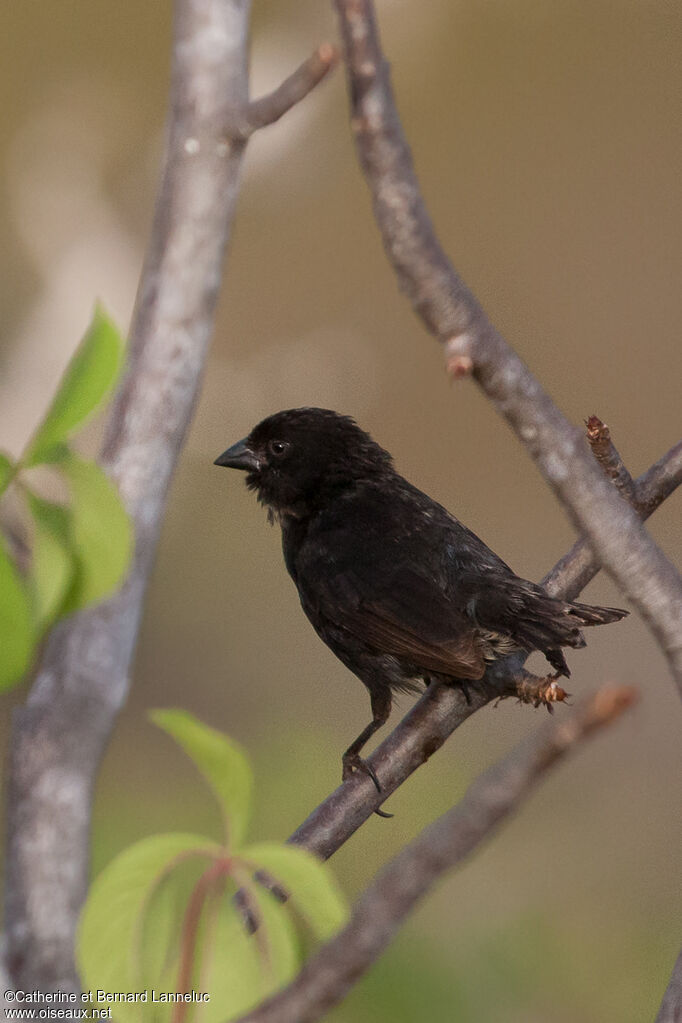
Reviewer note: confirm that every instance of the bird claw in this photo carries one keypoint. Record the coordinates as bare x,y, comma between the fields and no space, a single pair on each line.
352,764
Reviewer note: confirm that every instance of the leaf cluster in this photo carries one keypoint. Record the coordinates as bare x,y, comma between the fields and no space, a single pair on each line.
79,549
182,913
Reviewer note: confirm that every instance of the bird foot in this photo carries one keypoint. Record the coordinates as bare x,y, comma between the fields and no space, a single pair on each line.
352,764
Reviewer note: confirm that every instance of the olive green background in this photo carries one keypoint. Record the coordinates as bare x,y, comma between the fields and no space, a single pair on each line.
547,138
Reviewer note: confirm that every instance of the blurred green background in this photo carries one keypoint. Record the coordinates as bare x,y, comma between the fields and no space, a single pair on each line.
546,135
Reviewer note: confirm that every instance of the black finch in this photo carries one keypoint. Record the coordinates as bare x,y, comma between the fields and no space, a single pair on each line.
395,585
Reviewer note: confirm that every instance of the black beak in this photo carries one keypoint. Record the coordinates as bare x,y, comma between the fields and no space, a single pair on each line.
239,456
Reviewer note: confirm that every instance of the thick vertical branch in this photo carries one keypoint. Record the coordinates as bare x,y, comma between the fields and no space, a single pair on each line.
59,736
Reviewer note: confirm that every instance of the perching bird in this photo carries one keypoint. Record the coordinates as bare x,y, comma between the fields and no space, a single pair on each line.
394,584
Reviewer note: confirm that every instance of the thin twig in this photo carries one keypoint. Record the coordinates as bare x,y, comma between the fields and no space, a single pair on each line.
443,709
452,313
604,450
327,977
260,113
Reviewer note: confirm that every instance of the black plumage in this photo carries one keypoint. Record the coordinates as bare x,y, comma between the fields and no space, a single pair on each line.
395,585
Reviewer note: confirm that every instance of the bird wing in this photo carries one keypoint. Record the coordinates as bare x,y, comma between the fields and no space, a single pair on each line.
384,564
405,614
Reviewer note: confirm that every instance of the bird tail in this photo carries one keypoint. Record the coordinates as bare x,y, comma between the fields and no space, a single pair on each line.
590,614
554,623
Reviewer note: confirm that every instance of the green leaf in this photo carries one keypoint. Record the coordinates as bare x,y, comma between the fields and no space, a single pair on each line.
309,883
89,377
113,919
53,563
101,533
222,763
17,637
55,454
6,471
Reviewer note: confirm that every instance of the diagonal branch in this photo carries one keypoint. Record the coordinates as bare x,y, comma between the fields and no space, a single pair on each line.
443,709
326,978
471,343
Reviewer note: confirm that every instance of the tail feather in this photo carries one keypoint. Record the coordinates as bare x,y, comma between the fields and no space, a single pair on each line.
589,614
550,623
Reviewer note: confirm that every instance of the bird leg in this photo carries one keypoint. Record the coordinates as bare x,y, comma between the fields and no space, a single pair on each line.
351,759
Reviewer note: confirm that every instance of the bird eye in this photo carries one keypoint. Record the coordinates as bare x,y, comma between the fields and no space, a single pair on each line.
278,447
